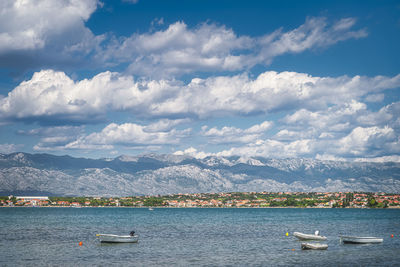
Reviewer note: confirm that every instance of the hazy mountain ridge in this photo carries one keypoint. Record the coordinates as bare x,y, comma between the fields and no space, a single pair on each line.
165,174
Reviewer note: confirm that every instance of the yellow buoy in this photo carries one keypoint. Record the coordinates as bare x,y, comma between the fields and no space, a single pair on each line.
287,234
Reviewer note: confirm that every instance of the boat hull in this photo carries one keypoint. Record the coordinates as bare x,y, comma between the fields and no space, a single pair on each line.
314,246
107,238
360,240
302,236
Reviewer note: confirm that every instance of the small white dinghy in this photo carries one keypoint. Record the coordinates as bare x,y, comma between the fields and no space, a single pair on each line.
316,246
360,239
315,236
107,238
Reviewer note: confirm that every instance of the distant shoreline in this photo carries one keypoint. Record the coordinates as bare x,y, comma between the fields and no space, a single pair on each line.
159,207
218,200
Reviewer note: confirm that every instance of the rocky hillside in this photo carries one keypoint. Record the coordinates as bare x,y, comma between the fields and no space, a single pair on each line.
22,173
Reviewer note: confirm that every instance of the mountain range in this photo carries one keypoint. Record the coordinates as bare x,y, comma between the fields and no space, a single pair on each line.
154,174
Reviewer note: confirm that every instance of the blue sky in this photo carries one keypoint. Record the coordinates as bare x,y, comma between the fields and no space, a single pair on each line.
279,79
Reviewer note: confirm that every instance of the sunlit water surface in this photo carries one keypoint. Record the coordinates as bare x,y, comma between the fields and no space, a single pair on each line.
194,237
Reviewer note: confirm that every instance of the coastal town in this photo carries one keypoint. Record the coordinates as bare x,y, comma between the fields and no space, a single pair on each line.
220,200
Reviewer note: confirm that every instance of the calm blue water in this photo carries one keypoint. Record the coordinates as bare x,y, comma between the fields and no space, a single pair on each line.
194,237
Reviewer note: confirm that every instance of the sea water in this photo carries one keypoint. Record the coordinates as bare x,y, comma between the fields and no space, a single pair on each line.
195,236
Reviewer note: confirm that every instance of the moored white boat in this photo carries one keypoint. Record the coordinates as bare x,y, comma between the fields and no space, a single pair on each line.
360,239
316,246
315,236
108,238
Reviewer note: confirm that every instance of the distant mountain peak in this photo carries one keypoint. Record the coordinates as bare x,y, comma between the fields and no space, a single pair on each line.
165,174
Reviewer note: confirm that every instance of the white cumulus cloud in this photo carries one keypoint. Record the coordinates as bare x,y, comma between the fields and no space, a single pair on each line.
31,24
46,32
315,32
208,47
10,148
191,151
372,139
54,138
53,95
129,134
235,135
